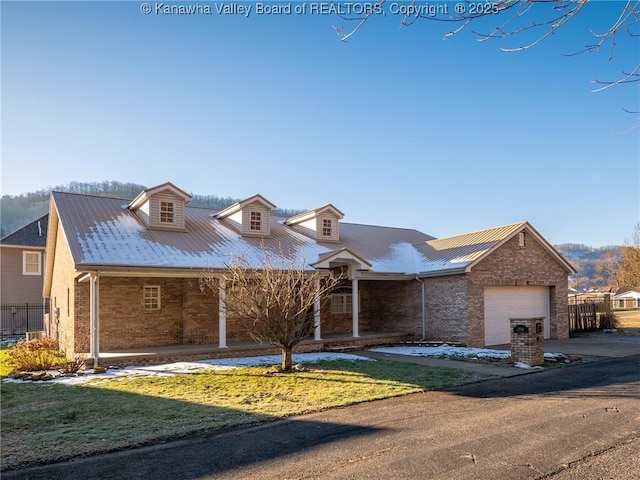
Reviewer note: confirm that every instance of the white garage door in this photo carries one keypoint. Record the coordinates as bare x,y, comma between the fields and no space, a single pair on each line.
503,303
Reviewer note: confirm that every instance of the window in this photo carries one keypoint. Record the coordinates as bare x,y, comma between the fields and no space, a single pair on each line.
151,297
166,212
341,300
31,263
255,223
326,227
521,239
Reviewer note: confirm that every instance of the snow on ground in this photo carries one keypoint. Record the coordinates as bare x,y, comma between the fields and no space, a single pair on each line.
446,351
194,367
442,351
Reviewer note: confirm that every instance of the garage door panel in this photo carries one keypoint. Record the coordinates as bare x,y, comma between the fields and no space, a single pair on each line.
503,303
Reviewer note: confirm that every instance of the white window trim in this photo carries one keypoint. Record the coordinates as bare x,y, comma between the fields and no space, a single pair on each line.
24,263
347,301
172,212
257,220
151,292
328,226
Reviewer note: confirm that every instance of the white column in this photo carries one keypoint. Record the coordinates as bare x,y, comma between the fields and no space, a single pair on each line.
354,306
222,313
316,314
94,317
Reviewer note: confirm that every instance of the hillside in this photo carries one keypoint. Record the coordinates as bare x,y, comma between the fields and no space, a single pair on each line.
593,264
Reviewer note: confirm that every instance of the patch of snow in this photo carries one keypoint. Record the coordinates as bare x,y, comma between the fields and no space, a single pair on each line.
177,368
446,351
555,355
525,365
124,241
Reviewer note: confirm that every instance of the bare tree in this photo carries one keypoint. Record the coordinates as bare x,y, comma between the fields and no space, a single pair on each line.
513,19
274,301
628,274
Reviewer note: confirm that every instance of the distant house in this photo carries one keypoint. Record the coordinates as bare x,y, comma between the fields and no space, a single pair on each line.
626,298
22,267
22,260
122,275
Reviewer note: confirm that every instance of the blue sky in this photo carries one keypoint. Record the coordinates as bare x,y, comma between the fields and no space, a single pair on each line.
395,127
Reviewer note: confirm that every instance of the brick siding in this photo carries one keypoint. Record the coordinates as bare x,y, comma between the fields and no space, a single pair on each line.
512,265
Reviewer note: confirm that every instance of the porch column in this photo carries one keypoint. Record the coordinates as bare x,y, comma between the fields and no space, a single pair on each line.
94,317
222,313
354,305
316,314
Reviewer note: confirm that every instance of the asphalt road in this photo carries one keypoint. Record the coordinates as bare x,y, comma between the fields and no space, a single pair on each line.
578,422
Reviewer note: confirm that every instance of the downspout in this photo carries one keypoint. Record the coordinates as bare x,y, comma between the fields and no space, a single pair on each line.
94,317
424,317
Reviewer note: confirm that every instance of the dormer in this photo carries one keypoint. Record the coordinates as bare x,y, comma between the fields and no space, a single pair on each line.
161,207
252,215
322,223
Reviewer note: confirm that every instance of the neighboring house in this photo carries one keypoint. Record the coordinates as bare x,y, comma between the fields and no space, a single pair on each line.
22,263
626,298
125,274
22,254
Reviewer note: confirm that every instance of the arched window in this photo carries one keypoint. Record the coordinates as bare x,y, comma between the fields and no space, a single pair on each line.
342,300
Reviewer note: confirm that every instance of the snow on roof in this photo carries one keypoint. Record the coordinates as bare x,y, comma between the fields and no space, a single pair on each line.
102,232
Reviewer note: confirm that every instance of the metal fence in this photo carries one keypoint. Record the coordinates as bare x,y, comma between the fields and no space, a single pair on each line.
19,318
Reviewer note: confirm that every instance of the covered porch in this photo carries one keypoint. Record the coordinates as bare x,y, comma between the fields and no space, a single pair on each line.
186,353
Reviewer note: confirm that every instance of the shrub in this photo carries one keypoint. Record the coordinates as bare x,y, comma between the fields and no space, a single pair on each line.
37,354
609,321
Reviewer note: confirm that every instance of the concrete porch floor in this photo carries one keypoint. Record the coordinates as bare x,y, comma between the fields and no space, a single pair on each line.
180,353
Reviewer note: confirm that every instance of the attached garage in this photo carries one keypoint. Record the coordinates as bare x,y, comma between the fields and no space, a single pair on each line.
503,303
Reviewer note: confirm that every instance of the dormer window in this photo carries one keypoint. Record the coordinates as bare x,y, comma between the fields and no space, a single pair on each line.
327,225
167,210
161,207
321,223
252,216
255,223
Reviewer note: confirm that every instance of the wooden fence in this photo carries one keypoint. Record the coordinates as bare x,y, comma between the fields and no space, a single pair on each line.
590,316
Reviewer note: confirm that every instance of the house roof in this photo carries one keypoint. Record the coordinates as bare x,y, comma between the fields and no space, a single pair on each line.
33,234
103,234
627,292
460,253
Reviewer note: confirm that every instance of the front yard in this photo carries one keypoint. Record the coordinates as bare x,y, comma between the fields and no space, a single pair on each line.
46,422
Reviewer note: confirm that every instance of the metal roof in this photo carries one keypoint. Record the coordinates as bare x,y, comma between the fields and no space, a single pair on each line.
102,233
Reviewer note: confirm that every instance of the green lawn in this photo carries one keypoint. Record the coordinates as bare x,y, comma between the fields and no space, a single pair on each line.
45,422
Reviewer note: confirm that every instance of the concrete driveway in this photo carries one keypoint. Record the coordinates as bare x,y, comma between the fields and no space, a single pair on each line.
587,347
598,344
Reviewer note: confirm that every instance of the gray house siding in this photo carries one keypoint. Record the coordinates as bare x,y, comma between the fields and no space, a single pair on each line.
17,287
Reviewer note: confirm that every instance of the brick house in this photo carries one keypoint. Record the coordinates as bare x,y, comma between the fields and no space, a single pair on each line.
125,274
